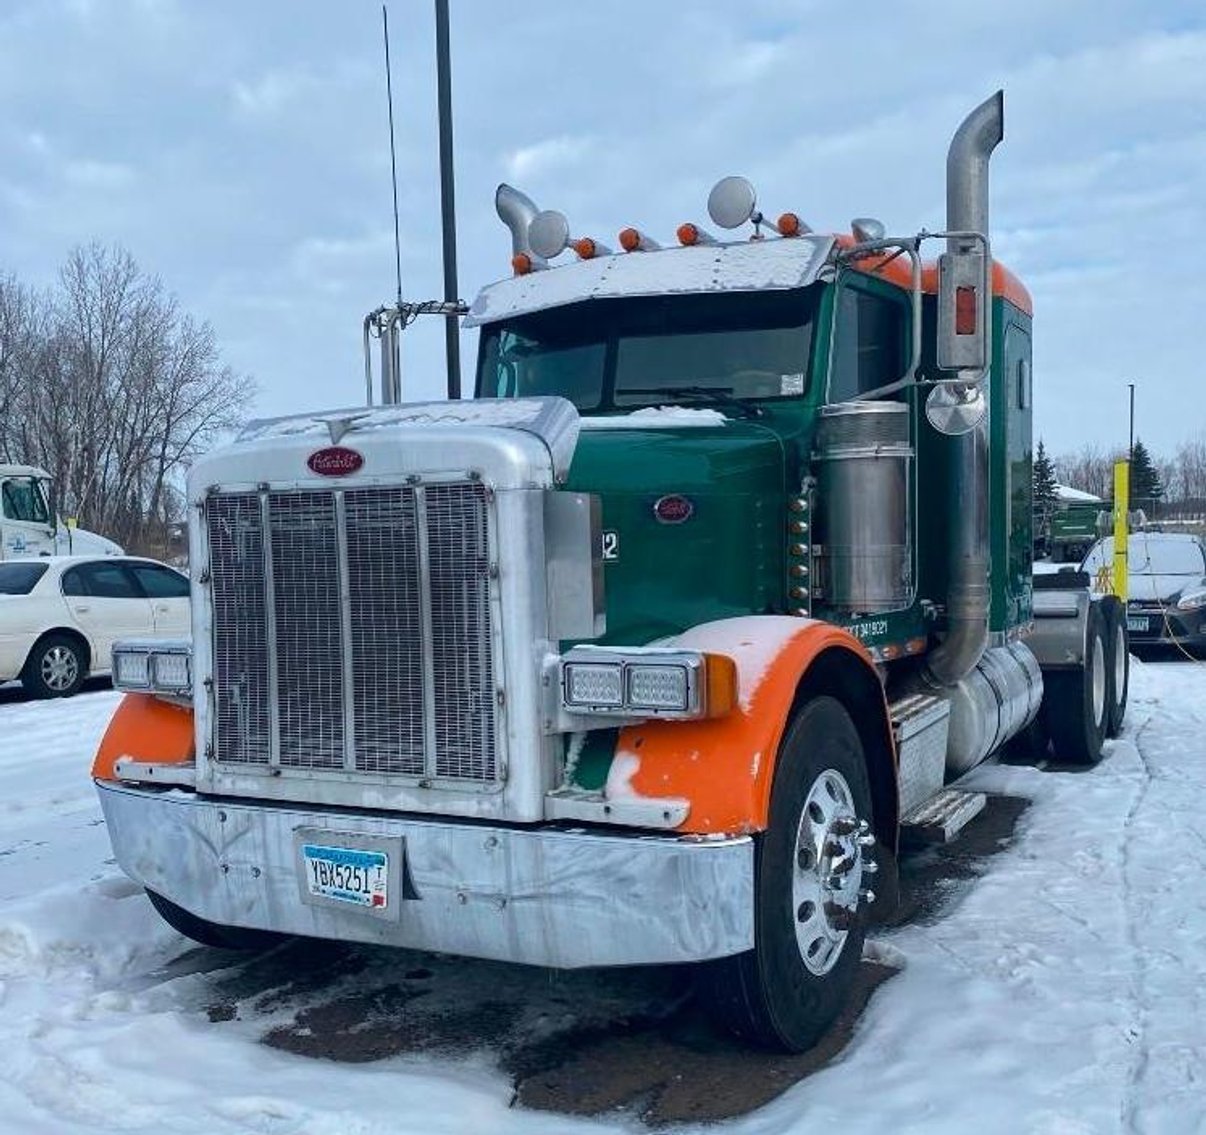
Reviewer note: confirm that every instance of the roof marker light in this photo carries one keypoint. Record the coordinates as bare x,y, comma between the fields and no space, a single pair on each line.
789,224
690,234
521,264
633,240
588,248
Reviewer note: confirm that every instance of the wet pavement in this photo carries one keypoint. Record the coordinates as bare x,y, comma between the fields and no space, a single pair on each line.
632,1042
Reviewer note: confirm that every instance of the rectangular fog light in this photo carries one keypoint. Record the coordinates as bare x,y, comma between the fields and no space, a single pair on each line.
593,684
172,671
657,687
131,670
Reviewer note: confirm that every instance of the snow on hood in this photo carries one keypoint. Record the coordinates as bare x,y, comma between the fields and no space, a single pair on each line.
554,420
657,418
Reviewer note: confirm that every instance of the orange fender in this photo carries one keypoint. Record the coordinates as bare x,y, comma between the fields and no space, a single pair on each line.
146,728
724,767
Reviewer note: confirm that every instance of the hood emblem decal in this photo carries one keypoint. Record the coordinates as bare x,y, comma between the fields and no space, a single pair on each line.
673,508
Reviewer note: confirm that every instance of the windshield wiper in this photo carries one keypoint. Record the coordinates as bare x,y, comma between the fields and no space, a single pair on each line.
718,395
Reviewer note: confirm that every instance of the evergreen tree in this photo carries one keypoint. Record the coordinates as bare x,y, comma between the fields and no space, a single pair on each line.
1045,498
1146,489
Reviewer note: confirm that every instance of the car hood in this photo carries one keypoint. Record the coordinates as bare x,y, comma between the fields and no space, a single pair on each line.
1160,588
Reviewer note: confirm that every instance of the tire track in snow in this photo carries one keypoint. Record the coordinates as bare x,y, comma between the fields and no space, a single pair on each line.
1141,1054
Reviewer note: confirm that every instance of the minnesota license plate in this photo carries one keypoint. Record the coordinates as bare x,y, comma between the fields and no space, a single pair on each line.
347,874
1137,623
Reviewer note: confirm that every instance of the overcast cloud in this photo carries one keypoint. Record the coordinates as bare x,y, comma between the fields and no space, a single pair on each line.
239,150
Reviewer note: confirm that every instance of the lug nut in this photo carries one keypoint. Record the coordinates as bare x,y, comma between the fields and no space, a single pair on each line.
865,841
867,895
870,867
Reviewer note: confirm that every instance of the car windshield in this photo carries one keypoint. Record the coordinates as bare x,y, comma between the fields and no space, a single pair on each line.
1149,555
20,578
616,354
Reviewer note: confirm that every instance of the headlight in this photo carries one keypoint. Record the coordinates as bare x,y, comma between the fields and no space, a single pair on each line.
647,683
153,666
131,669
594,685
1192,600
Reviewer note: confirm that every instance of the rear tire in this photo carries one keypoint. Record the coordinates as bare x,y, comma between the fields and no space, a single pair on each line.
1076,702
213,933
55,668
1118,660
808,932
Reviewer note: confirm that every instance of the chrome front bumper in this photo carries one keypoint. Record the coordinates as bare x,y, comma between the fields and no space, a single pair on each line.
540,896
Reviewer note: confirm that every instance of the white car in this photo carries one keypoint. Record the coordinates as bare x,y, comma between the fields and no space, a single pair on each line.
60,615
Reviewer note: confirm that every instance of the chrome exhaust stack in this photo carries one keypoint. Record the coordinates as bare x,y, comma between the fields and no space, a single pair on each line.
969,355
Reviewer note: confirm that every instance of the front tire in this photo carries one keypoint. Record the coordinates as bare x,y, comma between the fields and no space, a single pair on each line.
55,668
1076,702
212,933
810,890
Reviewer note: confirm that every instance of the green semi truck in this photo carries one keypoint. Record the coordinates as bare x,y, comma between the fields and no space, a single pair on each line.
656,649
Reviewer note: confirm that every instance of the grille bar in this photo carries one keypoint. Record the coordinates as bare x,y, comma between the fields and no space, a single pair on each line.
352,631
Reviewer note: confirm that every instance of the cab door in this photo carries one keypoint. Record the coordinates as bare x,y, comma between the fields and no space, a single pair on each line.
107,603
27,526
168,592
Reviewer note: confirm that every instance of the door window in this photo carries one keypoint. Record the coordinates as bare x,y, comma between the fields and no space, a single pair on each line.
160,582
101,581
869,344
24,500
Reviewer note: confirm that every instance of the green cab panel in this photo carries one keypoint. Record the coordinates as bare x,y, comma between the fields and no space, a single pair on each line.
718,548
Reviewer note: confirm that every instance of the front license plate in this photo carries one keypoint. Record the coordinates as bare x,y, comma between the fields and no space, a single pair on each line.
1137,623
347,874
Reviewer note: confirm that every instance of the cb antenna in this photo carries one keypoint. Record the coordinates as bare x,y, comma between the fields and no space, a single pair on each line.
393,157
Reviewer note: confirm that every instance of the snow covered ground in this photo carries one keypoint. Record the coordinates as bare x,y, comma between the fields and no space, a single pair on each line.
1064,993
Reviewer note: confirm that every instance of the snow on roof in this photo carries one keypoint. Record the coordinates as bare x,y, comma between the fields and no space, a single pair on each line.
656,417
1069,494
744,266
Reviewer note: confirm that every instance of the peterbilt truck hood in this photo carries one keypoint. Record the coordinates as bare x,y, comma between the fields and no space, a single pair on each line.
692,517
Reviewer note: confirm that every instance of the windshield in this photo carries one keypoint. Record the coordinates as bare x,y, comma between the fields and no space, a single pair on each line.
19,579
1149,555
615,354
24,498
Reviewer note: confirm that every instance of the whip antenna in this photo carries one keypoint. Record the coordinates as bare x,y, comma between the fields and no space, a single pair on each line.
393,158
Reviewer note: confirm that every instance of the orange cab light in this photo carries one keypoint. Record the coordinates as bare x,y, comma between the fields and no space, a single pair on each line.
789,224
521,264
630,240
887,653
915,646
689,234
965,311
587,247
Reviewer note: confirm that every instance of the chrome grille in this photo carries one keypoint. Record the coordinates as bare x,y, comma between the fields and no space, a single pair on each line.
352,630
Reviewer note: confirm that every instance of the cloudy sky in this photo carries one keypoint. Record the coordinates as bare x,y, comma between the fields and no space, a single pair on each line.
239,150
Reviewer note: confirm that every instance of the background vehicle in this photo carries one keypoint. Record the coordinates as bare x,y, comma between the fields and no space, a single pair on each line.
60,616
653,652
29,522
1166,581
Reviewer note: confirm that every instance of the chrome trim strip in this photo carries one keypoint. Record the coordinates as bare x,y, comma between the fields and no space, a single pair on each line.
430,741
274,714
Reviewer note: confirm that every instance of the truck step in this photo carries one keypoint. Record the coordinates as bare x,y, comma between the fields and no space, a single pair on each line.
941,818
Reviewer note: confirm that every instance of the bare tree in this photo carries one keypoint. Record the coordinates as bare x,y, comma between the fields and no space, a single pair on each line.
110,386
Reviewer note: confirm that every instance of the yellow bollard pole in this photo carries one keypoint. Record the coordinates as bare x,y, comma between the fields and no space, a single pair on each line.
1122,486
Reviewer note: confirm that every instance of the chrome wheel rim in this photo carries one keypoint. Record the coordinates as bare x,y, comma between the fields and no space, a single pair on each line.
828,871
1099,685
60,668
1119,664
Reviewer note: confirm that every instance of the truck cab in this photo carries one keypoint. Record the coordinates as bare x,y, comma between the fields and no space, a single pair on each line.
30,525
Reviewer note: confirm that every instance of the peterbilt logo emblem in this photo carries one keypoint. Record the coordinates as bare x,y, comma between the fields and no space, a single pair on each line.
335,461
673,509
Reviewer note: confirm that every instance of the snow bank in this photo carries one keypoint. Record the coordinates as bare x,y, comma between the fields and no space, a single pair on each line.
1062,995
